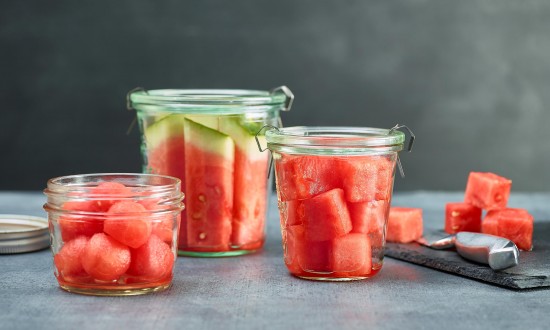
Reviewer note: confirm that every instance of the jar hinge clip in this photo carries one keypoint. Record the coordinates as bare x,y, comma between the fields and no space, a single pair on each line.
409,147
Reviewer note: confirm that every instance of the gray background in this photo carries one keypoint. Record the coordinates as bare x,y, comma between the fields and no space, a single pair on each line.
471,78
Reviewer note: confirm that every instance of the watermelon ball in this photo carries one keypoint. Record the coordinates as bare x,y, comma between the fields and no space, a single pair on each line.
108,189
163,227
512,223
152,260
128,223
462,217
73,225
67,260
404,224
104,258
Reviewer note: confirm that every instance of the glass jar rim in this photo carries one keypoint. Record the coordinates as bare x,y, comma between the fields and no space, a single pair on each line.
219,101
151,183
334,136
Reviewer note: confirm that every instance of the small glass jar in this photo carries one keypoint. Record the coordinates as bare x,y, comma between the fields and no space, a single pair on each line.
334,188
114,234
206,138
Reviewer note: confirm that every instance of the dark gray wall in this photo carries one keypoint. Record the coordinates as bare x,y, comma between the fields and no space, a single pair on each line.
471,78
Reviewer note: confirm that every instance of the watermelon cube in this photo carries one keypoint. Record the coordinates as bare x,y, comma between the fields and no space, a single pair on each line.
487,190
368,217
514,224
326,216
462,217
367,178
304,255
404,224
351,254
303,177
104,258
292,213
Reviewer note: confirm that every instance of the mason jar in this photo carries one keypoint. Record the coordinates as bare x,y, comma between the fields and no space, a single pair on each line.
334,189
206,138
114,234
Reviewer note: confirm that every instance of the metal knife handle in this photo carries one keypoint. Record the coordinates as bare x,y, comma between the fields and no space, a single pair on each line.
500,253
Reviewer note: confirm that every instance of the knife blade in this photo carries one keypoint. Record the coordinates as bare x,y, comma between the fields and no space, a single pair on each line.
497,252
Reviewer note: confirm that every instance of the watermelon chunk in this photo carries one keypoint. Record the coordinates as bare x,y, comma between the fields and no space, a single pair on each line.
368,217
351,254
209,187
367,178
293,213
404,224
104,258
153,260
487,190
462,217
250,184
326,216
309,256
514,224
67,260
303,177
128,222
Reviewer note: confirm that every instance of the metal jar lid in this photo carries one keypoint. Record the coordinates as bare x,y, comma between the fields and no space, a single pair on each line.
23,233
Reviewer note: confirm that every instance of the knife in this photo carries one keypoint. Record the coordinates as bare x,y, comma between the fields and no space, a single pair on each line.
498,252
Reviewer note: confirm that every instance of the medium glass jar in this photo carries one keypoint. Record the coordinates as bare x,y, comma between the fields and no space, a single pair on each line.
206,138
334,188
114,234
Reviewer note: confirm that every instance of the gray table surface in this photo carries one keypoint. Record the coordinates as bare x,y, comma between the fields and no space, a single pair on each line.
256,292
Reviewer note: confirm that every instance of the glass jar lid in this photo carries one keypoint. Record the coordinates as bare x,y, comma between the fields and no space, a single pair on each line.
334,140
216,101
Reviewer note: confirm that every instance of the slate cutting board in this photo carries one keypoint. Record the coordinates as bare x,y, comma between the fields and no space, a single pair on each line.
533,270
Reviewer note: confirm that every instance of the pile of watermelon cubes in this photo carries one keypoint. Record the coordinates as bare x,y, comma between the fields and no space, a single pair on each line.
333,211
114,241
490,192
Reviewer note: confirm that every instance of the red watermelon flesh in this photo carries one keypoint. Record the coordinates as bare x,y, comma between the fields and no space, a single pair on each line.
67,260
302,177
293,213
249,198
487,190
153,260
307,255
462,217
108,193
368,217
74,225
292,236
512,223
404,224
166,156
104,258
128,222
351,254
162,226
367,178
326,216
209,187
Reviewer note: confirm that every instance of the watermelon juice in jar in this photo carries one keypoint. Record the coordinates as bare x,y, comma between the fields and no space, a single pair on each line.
334,188
114,234
206,138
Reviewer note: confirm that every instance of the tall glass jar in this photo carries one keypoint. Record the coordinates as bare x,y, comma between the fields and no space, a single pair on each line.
334,189
114,234
206,138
